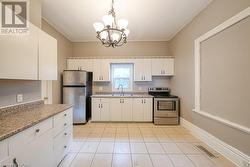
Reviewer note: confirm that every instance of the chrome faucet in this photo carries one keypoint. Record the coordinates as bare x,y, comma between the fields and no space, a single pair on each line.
121,92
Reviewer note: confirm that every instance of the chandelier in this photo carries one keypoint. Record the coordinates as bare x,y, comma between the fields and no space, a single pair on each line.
112,33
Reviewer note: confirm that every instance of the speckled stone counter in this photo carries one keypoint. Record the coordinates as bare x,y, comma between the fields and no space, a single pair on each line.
121,96
18,119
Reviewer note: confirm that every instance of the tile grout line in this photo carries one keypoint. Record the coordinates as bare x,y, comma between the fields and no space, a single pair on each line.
95,154
113,149
148,152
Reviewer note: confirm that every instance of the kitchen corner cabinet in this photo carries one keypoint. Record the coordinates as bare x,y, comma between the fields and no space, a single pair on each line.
44,144
101,70
80,64
28,57
100,109
142,109
121,109
142,70
163,67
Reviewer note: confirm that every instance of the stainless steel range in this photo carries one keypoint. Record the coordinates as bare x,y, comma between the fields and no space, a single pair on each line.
166,106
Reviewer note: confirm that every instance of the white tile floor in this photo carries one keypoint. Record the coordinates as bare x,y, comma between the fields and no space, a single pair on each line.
137,145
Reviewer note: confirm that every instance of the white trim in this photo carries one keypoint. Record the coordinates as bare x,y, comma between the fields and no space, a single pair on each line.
225,121
235,19
57,29
13,105
46,91
237,157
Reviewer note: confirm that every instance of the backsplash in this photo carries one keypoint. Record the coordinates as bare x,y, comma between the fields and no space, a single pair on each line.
99,87
31,91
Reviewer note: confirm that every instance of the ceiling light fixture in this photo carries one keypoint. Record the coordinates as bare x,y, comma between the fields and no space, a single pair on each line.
112,33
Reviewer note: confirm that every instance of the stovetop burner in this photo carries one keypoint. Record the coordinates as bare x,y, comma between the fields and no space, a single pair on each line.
161,92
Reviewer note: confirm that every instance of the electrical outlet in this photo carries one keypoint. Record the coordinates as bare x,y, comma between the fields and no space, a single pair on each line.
19,98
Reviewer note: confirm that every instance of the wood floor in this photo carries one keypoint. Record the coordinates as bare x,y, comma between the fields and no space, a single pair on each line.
138,145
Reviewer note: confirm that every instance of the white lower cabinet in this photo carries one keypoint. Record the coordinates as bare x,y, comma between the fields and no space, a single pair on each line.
38,146
4,159
142,109
122,109
100,109
127,109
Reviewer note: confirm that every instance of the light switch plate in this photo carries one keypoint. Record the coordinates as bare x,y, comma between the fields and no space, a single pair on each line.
19,98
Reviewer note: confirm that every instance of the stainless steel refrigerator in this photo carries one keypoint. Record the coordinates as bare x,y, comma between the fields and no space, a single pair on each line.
77,89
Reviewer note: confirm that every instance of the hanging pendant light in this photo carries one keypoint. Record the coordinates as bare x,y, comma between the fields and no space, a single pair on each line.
112,33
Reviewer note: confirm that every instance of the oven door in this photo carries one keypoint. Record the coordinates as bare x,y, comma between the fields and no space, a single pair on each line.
166,107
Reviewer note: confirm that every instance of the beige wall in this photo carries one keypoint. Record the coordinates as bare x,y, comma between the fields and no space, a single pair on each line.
182,47
225,66
64,50
131,49
31,90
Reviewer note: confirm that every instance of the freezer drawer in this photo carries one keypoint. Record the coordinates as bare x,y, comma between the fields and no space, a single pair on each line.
77,97
75,78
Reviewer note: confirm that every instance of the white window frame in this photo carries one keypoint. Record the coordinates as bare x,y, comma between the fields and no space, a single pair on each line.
230,22
112,66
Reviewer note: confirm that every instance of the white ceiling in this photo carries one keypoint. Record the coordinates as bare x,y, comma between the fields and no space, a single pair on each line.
149,20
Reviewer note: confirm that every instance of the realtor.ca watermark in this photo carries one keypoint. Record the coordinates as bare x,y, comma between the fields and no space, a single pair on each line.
14,17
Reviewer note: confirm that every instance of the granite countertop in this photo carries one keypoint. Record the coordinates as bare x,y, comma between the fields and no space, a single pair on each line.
115,95
18,120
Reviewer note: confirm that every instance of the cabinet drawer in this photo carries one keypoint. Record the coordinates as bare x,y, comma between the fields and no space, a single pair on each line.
100,100
61,144
62,121
43,127
3,150
25,137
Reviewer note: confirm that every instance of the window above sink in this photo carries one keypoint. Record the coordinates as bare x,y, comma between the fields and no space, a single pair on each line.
122,76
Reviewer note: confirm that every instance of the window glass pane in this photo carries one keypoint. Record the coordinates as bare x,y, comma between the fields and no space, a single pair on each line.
122,76
121,72
124,82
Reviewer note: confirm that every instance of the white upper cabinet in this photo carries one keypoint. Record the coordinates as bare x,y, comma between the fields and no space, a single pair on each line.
101,70
47,57
163,67
19,55
31,56
142,70
80,64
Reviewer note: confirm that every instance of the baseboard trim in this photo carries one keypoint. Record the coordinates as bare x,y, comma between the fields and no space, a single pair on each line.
237,157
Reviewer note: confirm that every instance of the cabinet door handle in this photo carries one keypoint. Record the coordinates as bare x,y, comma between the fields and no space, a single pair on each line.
65,115
37,130
142,101
65,134
65,124
15,162
65,147
101,105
